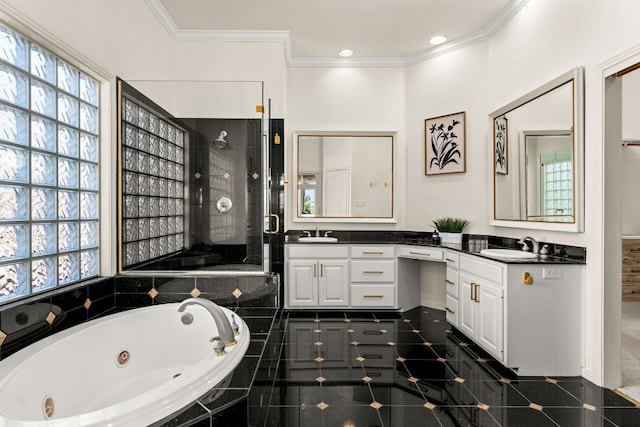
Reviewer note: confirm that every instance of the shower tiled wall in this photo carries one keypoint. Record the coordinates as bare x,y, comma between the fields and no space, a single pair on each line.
233,171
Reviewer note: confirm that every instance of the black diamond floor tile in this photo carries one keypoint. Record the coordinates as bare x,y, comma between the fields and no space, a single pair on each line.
413,369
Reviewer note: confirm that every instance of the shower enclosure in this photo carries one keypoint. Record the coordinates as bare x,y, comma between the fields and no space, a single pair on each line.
193,190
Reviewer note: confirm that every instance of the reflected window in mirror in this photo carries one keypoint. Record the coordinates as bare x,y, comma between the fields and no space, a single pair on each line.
308,186
538,147
549,173
344,176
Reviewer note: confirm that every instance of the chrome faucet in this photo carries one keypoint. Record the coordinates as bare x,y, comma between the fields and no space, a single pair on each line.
535,247
326,233
308,233
222,323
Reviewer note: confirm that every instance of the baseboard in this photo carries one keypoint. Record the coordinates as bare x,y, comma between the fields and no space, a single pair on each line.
438,305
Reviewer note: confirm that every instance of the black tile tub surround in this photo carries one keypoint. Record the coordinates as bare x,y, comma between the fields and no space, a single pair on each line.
410,369
69,307
232,291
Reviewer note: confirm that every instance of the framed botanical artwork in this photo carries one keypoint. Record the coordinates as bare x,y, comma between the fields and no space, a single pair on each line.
444,140
501,146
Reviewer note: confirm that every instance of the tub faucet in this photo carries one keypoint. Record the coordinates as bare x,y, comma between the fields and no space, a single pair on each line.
222,323
535,247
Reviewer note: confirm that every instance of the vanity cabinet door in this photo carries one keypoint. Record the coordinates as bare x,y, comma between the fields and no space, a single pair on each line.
467,306
333,282
490,318
481,313
302,283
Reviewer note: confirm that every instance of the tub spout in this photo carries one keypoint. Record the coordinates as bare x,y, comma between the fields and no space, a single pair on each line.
222,323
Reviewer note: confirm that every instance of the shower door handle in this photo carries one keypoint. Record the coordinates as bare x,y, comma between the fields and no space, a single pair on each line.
277,230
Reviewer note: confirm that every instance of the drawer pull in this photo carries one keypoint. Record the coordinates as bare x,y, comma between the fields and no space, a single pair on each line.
450,260
449,310
635,270
373,272
377,332
373,296
449,282
419,253
634,249
372,356
372,252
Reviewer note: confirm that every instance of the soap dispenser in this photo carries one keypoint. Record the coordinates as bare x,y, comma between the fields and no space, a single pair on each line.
435,237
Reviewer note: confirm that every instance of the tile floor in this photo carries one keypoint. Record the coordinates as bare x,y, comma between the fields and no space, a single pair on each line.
411,369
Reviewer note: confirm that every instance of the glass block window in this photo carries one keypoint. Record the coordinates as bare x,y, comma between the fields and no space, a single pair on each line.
152,183
49,165
558,191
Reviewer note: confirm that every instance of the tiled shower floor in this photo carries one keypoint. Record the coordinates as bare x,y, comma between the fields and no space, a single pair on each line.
376,369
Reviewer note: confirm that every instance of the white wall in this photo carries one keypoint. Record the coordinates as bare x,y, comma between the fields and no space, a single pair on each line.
444,85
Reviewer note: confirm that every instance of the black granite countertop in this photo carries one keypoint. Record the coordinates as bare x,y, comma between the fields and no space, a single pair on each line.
471,244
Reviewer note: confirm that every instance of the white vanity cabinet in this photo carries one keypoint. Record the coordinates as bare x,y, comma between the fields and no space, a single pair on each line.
527,315
481,304
373,276
317,276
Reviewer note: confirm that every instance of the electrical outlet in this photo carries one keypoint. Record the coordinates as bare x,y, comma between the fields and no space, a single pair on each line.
553,273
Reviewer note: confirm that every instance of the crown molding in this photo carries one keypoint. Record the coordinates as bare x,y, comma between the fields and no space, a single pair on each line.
284,37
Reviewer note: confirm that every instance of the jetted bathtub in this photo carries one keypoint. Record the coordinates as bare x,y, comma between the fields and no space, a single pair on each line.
127,369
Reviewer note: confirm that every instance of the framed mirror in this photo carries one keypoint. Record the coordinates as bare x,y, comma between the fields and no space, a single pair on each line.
538,161
343,176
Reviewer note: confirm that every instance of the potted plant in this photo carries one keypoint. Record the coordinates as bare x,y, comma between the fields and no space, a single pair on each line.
450,229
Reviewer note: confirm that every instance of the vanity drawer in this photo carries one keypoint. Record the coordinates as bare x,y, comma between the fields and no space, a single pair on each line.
451,308
451,281
482,268
373,252
373,271
317,251
421,252
373,295
452,259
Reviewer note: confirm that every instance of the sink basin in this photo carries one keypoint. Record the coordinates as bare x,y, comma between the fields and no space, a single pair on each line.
508,253
317,239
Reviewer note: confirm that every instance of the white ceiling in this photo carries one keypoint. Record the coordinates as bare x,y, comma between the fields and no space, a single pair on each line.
380,32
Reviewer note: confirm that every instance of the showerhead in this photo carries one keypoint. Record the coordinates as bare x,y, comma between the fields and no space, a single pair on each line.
220,141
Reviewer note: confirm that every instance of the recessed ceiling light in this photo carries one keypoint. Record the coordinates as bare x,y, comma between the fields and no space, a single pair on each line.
345,53
436,40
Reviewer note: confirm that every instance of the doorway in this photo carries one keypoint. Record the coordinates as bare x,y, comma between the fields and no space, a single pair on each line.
621,226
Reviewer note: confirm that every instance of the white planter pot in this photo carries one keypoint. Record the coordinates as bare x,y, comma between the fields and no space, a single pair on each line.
451,238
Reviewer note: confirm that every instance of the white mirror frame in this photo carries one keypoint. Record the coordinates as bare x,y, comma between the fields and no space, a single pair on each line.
577,75
294,188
